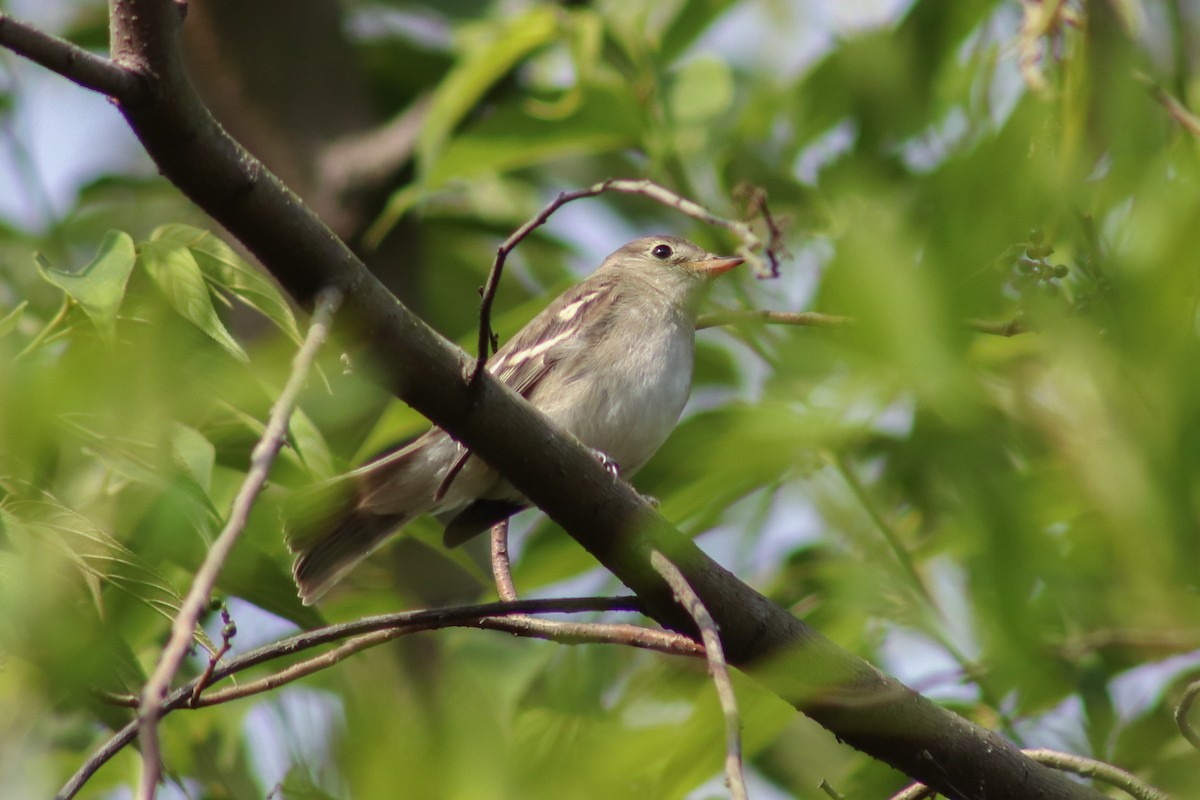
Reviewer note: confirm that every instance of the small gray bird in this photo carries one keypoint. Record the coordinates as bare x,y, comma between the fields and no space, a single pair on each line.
610,360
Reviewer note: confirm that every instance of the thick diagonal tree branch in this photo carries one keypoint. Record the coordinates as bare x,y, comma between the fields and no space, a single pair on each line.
859,704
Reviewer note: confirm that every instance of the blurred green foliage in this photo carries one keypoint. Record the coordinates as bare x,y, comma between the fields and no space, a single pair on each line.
1008,523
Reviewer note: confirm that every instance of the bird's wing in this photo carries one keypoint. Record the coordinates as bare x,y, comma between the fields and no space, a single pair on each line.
562,329
552,336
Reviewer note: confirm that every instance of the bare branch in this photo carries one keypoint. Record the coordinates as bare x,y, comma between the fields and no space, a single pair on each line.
751,243
501,567
1078,765
228,631
572,633
1013,327
735,778
1122,639
1187,120
816,319
813,319
487,615
1091,768
71,61
826,787
194,604
917,791
575,632
1184,709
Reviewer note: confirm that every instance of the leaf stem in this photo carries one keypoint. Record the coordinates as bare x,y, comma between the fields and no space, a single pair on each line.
48,328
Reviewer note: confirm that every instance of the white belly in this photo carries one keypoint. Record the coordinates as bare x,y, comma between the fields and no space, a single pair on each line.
627,412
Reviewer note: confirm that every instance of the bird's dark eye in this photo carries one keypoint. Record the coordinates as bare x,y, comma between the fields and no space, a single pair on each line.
662,252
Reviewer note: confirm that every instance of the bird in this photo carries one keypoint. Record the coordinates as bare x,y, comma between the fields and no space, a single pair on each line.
609,360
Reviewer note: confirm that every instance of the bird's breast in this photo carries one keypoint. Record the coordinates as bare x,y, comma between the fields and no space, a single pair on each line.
627,405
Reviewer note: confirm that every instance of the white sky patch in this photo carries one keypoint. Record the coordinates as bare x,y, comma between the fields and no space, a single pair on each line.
293,727
824,150
57,138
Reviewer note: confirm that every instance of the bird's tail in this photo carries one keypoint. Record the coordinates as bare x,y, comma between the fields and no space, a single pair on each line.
337,524
327,552
331,528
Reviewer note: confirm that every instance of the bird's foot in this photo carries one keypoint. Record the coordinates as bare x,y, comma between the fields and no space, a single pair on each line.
613,467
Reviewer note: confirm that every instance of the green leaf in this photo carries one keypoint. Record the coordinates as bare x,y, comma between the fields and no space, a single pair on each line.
99,557
194,453
486,62
174,269
222,266
310,445
99,287
701,91
511,139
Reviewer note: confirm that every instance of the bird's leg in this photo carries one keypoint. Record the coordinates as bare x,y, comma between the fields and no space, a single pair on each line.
613,467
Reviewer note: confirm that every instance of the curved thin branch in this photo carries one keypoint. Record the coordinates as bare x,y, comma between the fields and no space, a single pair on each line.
813,319
1078,765
1184,709
576,632
751,243
572,633
1091,768
501,565
71,61
487,615
816,319
1014,326
206,577
735,777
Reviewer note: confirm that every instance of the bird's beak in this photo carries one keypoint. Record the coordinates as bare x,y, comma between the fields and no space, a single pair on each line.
715,266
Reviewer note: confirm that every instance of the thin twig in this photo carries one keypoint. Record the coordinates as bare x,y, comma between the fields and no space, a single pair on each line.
1184,709
816,319
574,632
916,791
1101,771
1014,326
1153,642
486,615
42,335
571,633
755,198
501,566
71,61
639,636
813,319
735,779
1078,765
228,631
193,606
1189,121
750,243
826,787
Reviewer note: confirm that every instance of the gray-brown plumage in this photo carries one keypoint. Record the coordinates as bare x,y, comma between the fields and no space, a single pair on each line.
610,360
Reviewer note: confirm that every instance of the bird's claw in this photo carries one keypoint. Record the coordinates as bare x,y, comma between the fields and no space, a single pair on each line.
611,466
